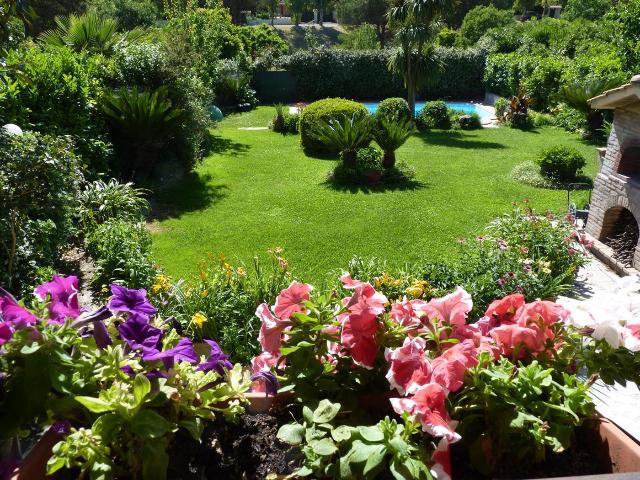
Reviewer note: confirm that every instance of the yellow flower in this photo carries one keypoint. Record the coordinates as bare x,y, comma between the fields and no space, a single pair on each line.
415,291
241,271
199,319
104,290
204,293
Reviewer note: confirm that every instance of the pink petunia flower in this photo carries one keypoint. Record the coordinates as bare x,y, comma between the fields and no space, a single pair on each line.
450,367
409,368
6,332
291,300
409,313
14,314
441,458
450,310
62,294
428,407
358,340
270,336
504,309
511,337
263,363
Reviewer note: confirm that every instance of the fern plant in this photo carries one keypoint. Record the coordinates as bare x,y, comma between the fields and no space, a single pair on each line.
578,95
391,136
89,32
348,135
143,123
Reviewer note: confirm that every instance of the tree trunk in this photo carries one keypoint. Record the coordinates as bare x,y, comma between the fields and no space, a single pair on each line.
389,159
349,158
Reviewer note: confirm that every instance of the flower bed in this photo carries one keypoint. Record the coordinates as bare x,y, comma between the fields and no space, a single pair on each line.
349,384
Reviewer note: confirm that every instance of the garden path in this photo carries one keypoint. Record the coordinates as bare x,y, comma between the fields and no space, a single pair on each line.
616,402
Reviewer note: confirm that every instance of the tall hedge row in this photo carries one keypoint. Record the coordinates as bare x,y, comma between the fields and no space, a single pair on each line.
364,75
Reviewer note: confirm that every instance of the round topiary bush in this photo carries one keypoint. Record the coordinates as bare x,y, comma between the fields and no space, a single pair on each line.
561,163
324,111
393,109
434,115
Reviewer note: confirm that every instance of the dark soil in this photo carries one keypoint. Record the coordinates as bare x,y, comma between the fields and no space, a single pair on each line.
247,450
576,461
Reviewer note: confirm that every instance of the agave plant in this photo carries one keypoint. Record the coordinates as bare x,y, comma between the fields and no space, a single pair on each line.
578,95
88,32
391,136
348,134
143,123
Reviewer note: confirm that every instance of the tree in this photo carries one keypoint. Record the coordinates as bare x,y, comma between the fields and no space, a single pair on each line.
357,12
589,9
14,9
415,23
480,19
297,7
271,6
238,6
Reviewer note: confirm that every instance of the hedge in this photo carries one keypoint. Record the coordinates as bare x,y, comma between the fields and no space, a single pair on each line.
364,75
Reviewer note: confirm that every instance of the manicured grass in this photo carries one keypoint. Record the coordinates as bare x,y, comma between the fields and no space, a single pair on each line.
258,191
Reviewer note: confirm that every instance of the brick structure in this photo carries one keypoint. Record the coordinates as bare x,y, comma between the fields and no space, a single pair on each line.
616,197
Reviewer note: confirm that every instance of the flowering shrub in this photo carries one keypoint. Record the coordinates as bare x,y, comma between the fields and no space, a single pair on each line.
120,381
517,362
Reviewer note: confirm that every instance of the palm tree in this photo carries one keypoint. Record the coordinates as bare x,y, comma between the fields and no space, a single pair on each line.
348,135
415,22
578,95
88,32
391,136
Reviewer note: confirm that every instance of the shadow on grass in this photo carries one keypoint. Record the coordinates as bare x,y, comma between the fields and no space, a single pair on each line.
225,146
194,192
374,188
455,139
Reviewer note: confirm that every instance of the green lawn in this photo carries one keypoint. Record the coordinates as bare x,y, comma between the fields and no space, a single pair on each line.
258,190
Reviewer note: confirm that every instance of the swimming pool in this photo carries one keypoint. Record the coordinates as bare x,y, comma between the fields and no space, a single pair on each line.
466,107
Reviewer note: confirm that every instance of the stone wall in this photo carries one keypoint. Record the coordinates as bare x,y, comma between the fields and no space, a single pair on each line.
612,189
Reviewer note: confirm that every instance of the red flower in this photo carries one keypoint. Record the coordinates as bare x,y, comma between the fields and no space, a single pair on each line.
291,300
409,368
361,345
270,336
409,313
452,309
427,405
504,310
450,367
510,337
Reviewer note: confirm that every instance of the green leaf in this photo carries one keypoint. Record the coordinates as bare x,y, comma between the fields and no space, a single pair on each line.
307,414
326,411
288,350
376,457
141,388
286,388
194,426
94,405
155,460
400,471
399,446
106,425
304,472
324,447
150,424
291,433
54,464
342,433
371,434
29,349
100,471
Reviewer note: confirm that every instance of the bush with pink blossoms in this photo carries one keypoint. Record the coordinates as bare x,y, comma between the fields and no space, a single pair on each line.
433,365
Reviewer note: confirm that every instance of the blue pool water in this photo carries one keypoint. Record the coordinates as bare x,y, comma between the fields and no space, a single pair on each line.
466,107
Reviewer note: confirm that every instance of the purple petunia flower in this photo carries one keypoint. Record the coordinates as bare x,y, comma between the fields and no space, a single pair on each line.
129,300
150,375
12,313
61,427
217,359
62,293
97,318
6,332
139,335
182,352
270,381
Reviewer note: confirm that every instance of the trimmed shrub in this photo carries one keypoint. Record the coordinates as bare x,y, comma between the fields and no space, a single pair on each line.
39,179
561,163
257,40
322,112
434,115
501,106
470,122
393,109
447,37
502,74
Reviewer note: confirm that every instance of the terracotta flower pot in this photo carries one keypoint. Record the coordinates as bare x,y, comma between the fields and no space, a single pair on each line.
612,446
259,402
34,466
